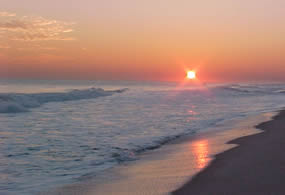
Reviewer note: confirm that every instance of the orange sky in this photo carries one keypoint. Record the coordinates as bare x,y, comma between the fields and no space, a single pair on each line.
224,40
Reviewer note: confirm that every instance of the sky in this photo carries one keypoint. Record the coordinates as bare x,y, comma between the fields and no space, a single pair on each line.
222,40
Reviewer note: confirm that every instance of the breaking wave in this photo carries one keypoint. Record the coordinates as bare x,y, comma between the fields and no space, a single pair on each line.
280,91
253,89
21,102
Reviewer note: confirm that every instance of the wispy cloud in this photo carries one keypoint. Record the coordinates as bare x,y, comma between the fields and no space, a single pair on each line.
7,14
13,25
34,28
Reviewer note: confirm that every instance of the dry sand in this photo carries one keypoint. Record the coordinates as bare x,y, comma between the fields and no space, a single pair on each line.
256,166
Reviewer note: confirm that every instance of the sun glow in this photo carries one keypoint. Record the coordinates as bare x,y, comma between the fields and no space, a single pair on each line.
191,74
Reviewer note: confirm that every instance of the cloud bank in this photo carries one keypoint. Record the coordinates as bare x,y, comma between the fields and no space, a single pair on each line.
34,28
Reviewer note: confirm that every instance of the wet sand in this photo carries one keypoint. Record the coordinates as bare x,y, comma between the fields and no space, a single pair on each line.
256,166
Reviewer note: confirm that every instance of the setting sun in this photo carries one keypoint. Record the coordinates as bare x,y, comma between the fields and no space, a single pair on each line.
191,74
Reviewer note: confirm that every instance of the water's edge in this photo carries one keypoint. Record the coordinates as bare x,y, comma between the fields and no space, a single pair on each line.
117,180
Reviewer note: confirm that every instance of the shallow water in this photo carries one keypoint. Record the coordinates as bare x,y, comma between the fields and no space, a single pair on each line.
166,169
59,142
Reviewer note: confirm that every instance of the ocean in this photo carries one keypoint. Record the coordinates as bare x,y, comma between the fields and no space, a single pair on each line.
54,133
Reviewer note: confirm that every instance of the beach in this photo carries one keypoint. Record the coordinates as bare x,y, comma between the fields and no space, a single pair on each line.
70,137
142,97
256,166
166,169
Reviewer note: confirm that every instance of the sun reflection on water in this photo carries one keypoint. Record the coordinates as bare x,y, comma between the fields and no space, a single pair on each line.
201,153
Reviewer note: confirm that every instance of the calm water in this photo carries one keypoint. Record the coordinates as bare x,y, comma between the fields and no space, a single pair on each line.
58,132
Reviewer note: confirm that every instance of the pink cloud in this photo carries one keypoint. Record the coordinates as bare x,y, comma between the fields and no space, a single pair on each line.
31,28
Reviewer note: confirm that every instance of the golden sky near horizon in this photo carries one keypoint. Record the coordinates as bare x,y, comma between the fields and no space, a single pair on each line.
223,40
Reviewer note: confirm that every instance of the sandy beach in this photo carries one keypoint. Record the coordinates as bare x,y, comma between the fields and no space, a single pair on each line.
256,166
142,97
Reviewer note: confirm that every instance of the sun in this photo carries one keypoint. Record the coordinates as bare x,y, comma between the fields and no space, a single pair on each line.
191,74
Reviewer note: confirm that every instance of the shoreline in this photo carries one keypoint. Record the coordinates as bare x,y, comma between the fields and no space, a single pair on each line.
255,166
165,169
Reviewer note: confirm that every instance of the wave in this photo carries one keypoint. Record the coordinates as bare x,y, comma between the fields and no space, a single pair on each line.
21,102
236,89
280,91
253,89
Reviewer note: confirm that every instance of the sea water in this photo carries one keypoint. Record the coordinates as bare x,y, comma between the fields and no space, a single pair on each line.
60,132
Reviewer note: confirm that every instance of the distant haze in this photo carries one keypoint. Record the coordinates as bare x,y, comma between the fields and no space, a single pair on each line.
223,40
